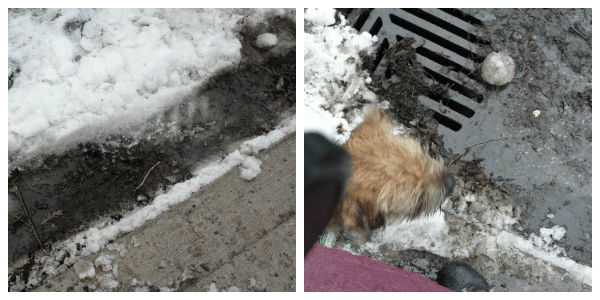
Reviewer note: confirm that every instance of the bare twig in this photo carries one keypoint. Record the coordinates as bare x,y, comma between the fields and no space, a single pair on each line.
29,223
268,71
18,218
146,176
52,215
479,144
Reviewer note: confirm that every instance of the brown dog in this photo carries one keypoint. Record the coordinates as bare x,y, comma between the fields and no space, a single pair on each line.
392,179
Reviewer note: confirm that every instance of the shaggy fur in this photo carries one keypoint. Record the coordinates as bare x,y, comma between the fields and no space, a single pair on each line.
393,178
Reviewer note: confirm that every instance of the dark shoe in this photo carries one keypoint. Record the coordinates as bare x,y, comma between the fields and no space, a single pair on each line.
326,171
460,277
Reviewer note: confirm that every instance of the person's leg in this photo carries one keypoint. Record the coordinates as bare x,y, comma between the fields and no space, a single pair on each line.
326,172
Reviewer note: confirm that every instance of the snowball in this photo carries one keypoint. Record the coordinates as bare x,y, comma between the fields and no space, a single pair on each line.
266,40
498,68
250,168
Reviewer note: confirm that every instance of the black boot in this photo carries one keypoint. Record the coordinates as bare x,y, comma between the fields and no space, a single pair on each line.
460,277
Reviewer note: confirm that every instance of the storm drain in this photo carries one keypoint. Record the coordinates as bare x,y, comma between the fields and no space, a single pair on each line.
450,55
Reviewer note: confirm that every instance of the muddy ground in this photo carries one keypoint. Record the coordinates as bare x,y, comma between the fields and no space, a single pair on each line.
542,175
101,180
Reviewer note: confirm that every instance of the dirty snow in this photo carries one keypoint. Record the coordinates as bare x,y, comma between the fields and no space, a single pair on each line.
89,73
107,282
84,269
213,288
103,261
327,53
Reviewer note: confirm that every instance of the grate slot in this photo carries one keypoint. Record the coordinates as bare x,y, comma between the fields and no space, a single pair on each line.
466,53
444,61
457,13
453,125
381,53
376,27
362,18
447,26
451,104
454,85
449,56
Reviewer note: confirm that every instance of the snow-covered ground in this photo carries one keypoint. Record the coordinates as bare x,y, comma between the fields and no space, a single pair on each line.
88,73
83,74
331,58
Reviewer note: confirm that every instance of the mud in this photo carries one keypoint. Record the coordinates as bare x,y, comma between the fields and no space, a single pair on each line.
549,167
100,181
545,166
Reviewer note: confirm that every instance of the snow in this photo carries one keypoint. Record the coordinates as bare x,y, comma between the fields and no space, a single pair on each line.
250,168
121,248
84,269
318,17
107,282
213,288
327,53
103,261
498,68
89,73
266,40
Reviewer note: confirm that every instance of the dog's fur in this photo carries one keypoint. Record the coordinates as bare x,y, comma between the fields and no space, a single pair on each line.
393,178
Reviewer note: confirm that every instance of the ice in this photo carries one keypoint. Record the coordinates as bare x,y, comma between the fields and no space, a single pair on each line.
84,269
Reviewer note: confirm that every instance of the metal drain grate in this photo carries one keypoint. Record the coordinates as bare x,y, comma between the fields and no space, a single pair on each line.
449,56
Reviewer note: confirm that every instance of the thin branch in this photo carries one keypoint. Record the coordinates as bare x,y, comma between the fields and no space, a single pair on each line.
18,218
146,176
479,144
31,225
50,216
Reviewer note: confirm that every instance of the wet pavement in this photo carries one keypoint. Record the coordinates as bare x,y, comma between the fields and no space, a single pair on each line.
536,169
233,234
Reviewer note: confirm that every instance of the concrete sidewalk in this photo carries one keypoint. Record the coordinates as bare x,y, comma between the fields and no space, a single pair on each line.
237,234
